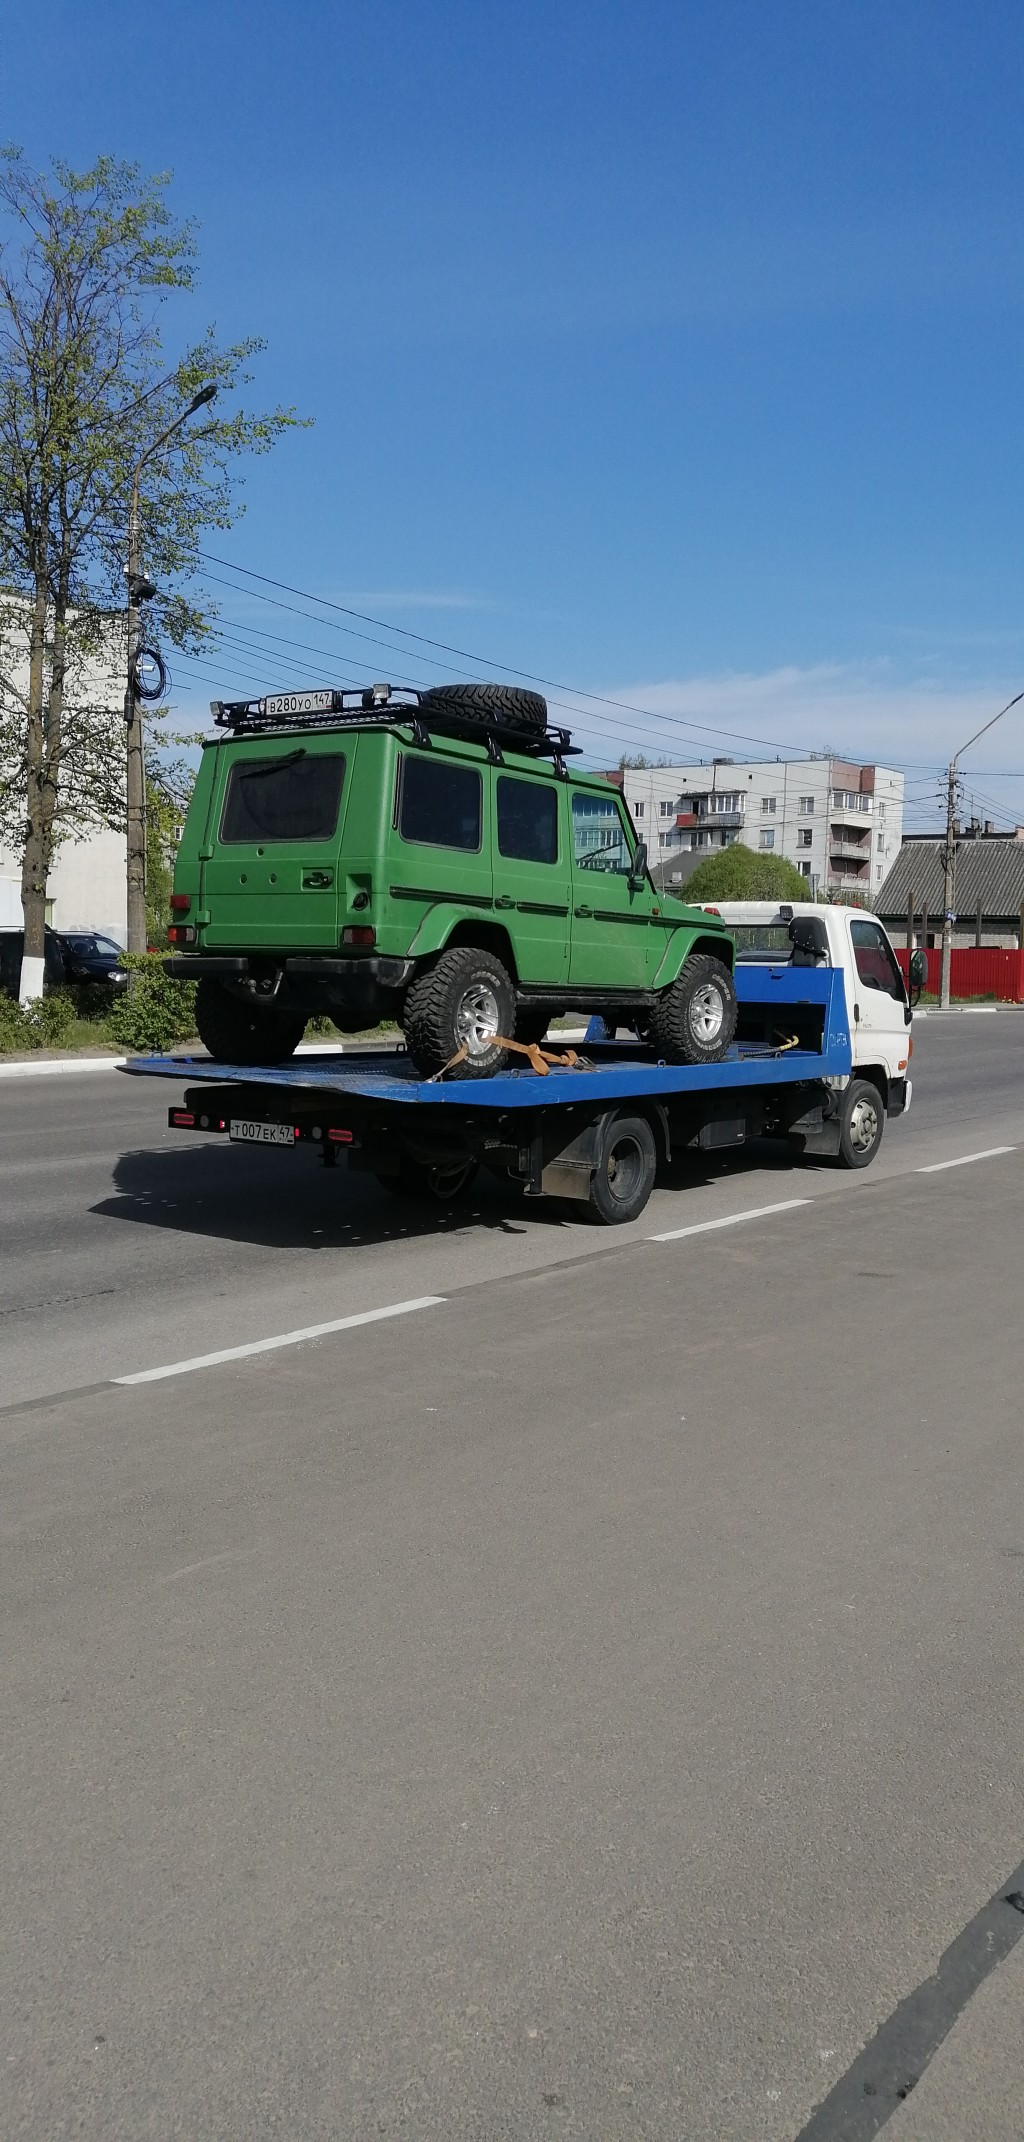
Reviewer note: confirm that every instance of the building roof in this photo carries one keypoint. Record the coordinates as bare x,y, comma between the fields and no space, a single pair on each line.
991,871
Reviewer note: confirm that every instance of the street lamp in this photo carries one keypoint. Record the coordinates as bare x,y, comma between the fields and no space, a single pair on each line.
949,852
140,590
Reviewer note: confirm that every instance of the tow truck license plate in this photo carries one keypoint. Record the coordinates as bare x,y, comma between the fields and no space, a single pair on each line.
247,1133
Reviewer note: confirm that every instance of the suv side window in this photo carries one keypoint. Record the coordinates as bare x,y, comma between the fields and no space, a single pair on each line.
876,962
439,804
527,821
599,836
293,798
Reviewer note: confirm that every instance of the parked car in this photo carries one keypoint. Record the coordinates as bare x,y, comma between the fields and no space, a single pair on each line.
428,857
12,945
90,957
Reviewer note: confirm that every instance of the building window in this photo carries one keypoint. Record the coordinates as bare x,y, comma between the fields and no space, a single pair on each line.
638,810
724,800
665,807
767,836
881,844
878,870
768,806
804,869
807,806
805,837
881,810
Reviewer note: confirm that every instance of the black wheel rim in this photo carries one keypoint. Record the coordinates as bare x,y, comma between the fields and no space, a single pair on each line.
624,1169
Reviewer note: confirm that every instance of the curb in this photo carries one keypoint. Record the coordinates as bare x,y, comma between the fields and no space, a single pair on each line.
52,1066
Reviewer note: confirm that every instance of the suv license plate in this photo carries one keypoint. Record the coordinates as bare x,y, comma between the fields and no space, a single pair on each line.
299,703
246,1133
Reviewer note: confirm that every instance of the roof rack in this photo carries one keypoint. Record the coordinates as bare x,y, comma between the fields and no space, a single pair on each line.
384,706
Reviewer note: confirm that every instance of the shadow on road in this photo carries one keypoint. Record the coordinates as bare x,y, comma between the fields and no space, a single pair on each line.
290,1201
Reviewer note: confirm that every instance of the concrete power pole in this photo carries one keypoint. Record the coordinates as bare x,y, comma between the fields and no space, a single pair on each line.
948,885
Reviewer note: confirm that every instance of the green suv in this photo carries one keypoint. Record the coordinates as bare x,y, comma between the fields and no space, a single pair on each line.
431,858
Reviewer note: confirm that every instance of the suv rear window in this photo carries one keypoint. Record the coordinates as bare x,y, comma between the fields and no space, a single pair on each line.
294,798
440,804
527,821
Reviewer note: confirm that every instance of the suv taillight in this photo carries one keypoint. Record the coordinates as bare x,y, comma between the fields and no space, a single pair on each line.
181,902
176,935
359,934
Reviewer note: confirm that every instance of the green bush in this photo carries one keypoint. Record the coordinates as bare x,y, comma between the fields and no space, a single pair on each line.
46,1023
153,1012
741,873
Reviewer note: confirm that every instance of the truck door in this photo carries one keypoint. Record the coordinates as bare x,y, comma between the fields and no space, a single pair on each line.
613,940
271,880
878,994
533,873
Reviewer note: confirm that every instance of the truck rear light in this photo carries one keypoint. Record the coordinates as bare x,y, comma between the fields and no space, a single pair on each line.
183,1119
181,902
359,933
176,935
340,1137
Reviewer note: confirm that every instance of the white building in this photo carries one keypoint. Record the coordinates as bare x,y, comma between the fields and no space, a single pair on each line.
87,890
841,824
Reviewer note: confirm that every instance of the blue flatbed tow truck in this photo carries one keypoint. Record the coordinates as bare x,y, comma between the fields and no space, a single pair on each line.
593,1128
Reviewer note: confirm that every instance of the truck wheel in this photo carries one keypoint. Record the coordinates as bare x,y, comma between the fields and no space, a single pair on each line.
464,1000
861,1123
505,703
695,1021
239,1033
434,1182
627,1163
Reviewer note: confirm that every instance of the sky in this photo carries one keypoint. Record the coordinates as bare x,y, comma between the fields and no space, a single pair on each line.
668,349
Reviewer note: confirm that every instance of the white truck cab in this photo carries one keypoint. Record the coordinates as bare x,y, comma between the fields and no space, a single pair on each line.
802,933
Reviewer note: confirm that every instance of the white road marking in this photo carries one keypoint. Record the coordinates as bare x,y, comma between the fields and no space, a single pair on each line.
732,1219
992,1153
286,1338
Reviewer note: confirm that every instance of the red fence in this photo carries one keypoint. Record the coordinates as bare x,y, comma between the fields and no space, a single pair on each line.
976,972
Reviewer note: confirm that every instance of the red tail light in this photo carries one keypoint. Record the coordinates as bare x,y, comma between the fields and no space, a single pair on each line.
178,935
181,902
359,934
182,1119
340,1137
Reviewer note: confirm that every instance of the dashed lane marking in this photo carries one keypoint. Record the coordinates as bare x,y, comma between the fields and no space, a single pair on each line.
731,1219
285,1338
992,1153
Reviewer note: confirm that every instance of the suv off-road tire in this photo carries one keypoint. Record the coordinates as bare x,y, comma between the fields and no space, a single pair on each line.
694,1021
466,992
861,1123
504,703
239,1033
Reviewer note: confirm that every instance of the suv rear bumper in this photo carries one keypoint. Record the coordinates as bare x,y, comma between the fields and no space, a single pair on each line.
235,967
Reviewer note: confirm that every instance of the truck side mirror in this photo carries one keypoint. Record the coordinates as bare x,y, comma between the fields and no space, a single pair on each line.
638,867
918,969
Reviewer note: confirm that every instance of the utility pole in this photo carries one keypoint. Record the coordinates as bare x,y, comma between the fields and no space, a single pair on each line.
949,852
140,590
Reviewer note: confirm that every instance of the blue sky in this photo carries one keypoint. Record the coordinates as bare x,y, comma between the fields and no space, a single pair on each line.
672,351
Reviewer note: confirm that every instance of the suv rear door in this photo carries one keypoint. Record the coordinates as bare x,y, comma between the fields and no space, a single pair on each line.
271,880
613,940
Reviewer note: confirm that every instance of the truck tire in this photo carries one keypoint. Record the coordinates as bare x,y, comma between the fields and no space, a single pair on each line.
504,703
626,1166
239,1033
465,998
861,1123
694,1021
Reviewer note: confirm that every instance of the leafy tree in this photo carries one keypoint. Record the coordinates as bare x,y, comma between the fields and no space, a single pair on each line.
86,260
741,873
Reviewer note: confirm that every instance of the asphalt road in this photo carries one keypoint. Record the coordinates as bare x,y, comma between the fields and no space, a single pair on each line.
587,1706
125,1245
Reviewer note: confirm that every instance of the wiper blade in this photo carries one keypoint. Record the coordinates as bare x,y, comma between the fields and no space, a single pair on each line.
252,773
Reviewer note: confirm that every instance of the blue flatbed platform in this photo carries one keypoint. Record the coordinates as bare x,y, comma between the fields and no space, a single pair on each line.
615,1071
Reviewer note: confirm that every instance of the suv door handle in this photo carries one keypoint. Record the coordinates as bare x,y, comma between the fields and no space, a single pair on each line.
317,880
583,911
504,901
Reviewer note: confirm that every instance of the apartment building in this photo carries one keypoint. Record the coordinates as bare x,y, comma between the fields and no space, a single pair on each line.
840,823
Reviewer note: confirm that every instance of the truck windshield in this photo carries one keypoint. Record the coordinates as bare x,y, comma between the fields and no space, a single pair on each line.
294,798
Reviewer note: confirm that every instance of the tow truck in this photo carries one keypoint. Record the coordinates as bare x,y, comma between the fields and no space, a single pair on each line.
821,1059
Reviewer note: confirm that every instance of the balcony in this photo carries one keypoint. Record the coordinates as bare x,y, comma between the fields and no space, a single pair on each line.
843,844
722,819
685,818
